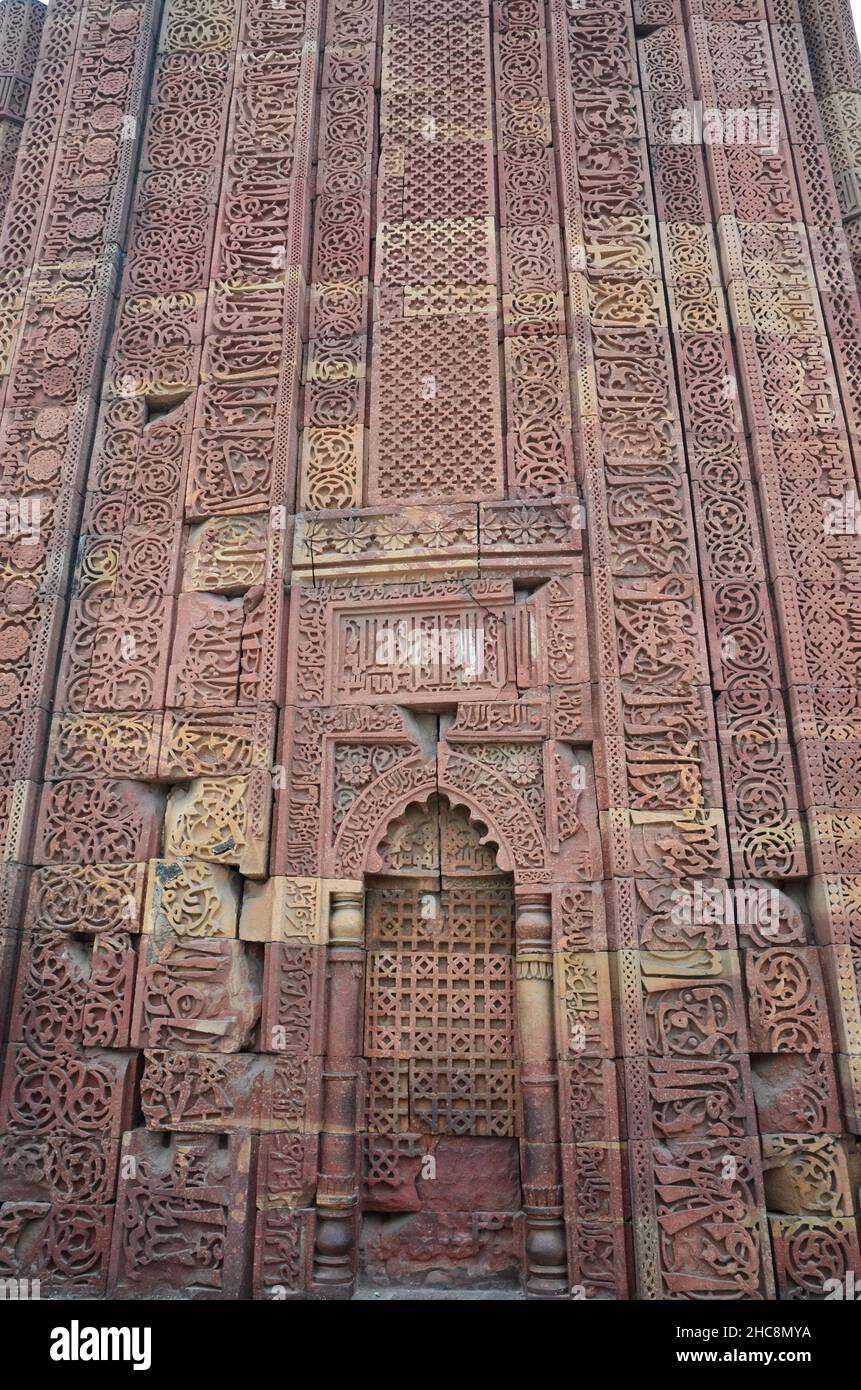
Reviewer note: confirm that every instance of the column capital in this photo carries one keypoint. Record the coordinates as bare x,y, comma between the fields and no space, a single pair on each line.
533,923
347,916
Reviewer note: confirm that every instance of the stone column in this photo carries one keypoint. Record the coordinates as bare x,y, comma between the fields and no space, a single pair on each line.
338,1183
540,1154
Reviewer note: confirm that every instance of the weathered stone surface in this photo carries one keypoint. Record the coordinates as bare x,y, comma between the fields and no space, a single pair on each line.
185,1206
430,739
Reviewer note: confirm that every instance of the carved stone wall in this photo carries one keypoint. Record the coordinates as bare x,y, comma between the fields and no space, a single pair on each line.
430,741
21,23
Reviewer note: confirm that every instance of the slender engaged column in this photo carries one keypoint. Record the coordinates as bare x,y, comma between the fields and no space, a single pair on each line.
541,1167
338,1183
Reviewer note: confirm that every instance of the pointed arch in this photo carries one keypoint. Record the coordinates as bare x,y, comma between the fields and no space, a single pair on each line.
487,799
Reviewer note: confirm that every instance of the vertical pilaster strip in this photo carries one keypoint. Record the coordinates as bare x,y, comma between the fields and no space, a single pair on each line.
226,400
435,332
21,23
829,43
538,441
765,828
768,193
243,458
336,368
55,370
64,232
34,161
819,71
664,822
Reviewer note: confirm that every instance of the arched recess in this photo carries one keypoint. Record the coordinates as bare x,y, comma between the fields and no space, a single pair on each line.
441,1192
487,799
504,821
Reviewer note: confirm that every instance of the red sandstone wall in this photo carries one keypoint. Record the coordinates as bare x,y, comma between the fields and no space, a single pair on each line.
430,557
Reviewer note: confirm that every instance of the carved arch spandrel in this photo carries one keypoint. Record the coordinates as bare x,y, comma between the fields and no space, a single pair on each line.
486,798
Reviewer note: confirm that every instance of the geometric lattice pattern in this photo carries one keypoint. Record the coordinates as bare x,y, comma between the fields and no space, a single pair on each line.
439,996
